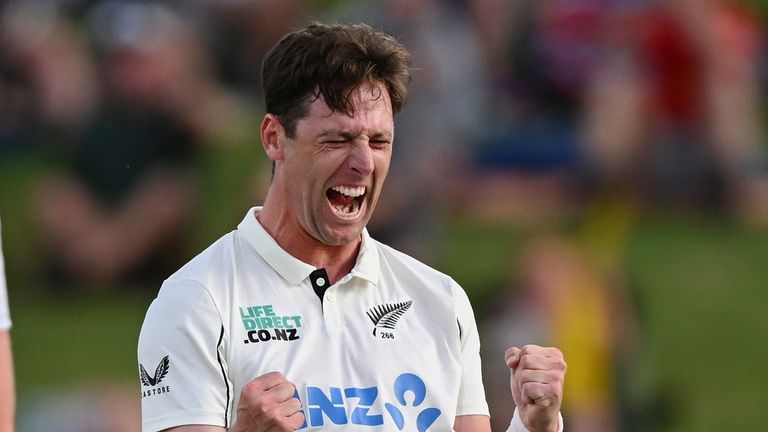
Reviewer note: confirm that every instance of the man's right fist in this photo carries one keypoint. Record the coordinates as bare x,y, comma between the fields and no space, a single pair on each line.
267,404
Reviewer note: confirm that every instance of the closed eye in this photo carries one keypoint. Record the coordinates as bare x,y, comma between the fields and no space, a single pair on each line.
379,143
335,141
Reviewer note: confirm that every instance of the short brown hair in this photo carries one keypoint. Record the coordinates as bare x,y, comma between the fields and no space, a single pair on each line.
331,61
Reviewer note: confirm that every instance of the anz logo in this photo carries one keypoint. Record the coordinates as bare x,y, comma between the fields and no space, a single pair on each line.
320,406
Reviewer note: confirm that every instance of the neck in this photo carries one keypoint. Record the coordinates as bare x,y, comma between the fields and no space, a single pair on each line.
337,261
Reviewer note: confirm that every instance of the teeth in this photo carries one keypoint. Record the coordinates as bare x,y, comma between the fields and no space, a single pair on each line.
349,191
349,211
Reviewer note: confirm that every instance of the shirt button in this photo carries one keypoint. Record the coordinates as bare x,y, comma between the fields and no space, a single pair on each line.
331,296
320,282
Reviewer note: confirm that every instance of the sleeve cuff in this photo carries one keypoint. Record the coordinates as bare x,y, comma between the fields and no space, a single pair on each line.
518,426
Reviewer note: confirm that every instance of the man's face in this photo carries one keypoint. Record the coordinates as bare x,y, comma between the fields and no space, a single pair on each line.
335,165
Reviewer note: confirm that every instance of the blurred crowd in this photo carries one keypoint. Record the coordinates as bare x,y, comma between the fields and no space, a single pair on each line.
141,118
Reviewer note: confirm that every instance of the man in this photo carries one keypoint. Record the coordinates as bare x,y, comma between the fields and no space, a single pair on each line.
7,395
299,319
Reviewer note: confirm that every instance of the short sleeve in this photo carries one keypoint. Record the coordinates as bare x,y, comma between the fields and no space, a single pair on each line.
472,393
5,316
182,369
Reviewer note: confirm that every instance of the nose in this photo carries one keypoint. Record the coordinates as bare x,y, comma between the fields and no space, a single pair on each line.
361,158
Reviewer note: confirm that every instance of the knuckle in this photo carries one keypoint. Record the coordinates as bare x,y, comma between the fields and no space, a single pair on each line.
525,361
274,375
555,352
251,386
249,392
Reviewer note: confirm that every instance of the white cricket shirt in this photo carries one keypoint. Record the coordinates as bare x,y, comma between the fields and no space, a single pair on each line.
391,346
5,316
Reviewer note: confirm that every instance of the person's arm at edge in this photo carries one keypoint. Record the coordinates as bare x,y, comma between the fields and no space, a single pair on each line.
7,393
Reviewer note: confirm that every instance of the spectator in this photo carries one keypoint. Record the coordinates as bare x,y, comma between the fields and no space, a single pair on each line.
47,78
673,114
117,213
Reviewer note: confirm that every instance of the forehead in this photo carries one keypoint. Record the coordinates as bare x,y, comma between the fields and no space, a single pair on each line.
372,110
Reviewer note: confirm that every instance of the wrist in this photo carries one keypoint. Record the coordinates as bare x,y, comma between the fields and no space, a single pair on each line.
517,424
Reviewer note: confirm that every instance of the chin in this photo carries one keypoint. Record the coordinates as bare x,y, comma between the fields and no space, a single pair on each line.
343,237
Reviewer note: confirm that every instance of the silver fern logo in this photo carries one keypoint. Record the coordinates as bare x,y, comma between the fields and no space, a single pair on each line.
386,316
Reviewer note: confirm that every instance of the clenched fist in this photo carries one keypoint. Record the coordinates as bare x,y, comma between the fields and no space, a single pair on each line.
268,404
537,376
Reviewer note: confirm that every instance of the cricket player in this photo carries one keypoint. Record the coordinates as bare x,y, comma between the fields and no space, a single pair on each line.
298,319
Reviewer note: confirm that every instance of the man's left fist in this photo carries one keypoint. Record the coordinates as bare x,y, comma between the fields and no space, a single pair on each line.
537,376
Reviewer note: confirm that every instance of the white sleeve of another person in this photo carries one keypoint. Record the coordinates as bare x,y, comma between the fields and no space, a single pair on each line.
5,316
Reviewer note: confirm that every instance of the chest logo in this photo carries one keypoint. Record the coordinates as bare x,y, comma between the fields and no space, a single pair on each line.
359,406
263,324
386,316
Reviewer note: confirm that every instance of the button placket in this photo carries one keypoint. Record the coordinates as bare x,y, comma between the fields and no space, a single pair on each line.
331,308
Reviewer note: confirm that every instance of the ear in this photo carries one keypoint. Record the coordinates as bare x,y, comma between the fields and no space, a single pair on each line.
271,133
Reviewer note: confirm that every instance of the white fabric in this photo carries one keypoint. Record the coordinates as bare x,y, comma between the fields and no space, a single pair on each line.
517,423
5,316
211,319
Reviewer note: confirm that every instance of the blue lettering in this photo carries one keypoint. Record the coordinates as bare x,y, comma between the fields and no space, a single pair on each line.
332,404
367,397
319,404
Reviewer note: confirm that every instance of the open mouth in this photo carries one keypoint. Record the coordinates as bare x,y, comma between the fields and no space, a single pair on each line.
346,202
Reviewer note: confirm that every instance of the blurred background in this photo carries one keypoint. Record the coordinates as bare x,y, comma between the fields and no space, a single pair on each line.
592,172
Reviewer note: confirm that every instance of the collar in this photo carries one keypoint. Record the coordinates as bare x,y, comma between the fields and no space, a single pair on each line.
293,270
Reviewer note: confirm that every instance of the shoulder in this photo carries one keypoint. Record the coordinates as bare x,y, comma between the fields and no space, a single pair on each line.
213,260
406,264
199,284
408,270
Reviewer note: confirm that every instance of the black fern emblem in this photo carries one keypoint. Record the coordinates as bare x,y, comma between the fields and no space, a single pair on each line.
386,315
160,373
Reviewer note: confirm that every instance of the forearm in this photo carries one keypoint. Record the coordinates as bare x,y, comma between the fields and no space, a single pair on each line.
7,392
517,424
